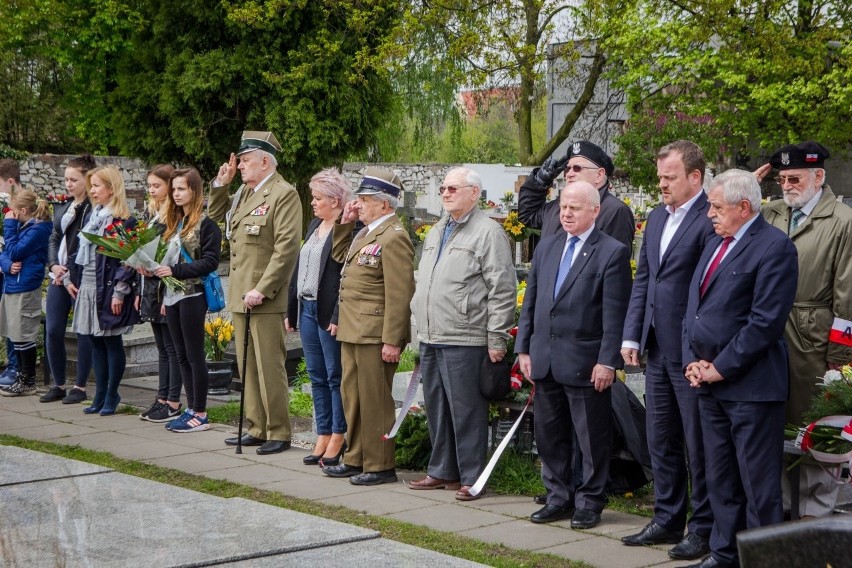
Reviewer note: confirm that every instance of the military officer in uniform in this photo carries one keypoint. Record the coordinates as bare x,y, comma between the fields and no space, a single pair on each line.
374,323
263,222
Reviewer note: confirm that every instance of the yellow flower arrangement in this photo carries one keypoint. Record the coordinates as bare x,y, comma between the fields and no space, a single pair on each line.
218,333
422,231
516,230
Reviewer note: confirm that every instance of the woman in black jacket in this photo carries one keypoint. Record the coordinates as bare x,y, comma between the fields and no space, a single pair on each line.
68,219
104,307
194,245
313,294
166,406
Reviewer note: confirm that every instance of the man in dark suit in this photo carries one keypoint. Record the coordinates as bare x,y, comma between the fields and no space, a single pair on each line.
584,162
568,342
673,242
735,355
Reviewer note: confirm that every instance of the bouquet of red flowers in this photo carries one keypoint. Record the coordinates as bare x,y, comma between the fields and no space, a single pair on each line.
138,247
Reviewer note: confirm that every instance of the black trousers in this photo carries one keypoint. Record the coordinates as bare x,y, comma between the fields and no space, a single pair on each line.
186,325
560,412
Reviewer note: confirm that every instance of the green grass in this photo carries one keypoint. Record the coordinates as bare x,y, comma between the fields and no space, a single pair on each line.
516,474
407,360
424,537
227,413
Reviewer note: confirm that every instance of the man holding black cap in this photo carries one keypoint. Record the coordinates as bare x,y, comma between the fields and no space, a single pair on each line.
464,307
821,228
263,222
374,323
584,162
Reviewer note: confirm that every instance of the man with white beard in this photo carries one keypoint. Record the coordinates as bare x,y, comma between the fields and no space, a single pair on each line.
817,330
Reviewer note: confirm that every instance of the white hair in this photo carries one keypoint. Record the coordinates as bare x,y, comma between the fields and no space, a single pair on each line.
738,185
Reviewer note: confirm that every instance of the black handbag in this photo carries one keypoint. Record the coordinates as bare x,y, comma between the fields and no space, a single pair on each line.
494,380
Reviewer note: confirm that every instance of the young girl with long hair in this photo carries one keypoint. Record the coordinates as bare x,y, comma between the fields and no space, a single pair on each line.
26,231
68,219
195,243
167,405
104,307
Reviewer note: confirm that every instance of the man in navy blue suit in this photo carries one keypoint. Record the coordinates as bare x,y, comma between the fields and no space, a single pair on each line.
735,355
568,342
674,240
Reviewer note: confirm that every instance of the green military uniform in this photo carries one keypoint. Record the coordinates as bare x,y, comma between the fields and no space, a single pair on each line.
824,243
823,240
375,292
264,228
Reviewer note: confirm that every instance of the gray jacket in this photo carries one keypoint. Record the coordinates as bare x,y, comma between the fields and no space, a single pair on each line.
467,296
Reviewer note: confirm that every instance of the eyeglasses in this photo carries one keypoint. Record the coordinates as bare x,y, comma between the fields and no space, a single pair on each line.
577,168
451,188
793,180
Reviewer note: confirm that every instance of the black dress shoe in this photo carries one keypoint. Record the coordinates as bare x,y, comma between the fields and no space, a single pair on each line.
342,470
374,477
692,547
711,562
540,499
654,534
272,447
551,513
248,440
585,519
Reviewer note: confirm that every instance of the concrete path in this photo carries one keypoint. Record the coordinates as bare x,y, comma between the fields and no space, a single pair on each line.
86,515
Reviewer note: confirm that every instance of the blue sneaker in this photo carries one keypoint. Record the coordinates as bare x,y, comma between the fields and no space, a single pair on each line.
187,414
8,377
195,423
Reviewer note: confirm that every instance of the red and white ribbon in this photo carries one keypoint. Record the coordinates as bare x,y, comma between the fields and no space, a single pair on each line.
804,442
477,487
407,402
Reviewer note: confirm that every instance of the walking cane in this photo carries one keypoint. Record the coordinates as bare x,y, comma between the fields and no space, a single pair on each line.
243,386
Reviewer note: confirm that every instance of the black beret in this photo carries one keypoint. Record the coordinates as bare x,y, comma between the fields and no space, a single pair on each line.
593,153
797,156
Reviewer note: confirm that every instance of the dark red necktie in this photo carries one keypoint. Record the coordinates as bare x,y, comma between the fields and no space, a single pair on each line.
715,264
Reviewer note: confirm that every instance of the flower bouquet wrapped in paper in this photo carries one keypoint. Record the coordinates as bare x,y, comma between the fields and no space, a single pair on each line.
138,247
827,437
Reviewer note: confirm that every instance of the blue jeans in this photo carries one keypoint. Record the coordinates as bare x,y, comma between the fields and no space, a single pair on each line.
57,310
322,359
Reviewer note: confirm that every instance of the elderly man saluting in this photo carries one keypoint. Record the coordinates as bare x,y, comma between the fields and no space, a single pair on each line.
568,343
821,228
464,307
263,225
374,323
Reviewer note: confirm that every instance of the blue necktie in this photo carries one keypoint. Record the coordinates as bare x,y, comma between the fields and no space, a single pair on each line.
565,266
446,235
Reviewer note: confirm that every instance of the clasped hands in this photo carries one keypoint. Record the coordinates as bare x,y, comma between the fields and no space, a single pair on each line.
699,372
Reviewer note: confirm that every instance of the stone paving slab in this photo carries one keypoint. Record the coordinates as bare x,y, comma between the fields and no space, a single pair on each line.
381,502
601,550
197,462
254,474
114,519
525,535
314,487
378,553
18,465
449,518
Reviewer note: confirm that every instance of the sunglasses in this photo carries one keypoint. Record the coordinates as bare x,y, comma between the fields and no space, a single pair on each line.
577,168
451,188
788,179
